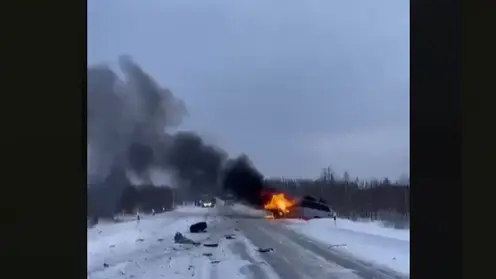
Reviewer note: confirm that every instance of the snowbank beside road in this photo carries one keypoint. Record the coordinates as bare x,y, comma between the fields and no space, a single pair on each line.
367,241
192,209
107,243
373,228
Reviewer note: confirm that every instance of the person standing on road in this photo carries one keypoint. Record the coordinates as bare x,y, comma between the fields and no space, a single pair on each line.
137,218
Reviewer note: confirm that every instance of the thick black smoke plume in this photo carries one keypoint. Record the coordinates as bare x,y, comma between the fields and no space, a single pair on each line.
243,180
128,121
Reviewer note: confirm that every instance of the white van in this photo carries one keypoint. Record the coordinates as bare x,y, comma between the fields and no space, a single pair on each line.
308,209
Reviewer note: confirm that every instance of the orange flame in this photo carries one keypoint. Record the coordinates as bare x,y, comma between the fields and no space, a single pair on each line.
279,202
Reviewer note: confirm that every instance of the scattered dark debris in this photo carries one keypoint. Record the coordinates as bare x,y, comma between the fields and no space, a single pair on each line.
112,246
207,254
160,239
179,238
265,250
190,267
215,262
105,265
198,227
122,272
140,240
210,244
182,248
230,236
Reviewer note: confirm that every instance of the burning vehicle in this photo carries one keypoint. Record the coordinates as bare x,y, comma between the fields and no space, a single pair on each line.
279,205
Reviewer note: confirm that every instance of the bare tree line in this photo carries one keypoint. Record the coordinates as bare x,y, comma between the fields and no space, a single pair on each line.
355,199
380,200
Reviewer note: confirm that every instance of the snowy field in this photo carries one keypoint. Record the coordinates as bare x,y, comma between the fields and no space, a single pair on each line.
368,241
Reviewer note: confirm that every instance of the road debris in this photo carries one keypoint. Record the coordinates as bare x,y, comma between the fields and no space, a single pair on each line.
265,250
198,227
181,239
230,236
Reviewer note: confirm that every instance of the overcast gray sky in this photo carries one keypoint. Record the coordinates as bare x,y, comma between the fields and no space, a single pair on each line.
296,85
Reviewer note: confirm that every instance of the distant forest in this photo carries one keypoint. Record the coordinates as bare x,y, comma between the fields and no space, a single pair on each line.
378,200
355,199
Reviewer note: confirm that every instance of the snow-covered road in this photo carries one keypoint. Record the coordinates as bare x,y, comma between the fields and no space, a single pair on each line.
147,250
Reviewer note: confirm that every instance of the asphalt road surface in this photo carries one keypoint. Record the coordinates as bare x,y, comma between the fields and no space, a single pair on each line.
294,256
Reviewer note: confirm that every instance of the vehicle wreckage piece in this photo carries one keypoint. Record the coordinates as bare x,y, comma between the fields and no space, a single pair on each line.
198,227
265,250
230,236
181,239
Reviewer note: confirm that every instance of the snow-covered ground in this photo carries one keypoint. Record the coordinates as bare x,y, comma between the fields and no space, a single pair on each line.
108,243
147,249
193,209
368,241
